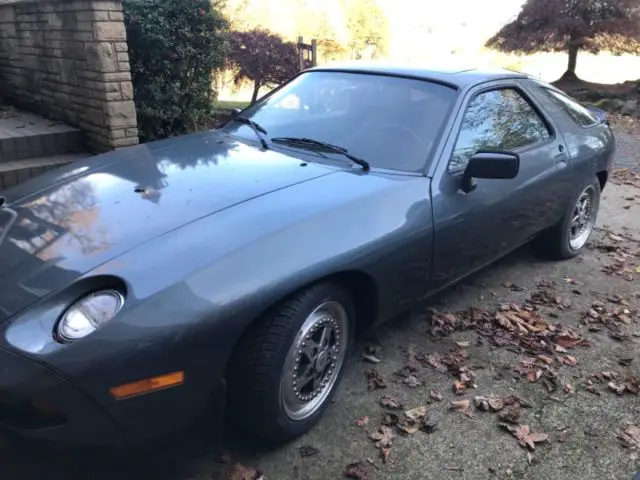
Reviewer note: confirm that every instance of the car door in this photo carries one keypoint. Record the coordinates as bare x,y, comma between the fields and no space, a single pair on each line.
472,229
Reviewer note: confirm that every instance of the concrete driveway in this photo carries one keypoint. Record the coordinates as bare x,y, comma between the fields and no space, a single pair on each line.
578,402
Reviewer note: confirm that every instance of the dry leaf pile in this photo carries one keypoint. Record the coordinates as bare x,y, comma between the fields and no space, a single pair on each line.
629,437
626,176
621,385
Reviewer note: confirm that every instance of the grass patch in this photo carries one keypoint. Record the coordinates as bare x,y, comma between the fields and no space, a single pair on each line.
229,104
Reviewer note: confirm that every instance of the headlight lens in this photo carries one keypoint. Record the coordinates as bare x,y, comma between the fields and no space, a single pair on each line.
88,314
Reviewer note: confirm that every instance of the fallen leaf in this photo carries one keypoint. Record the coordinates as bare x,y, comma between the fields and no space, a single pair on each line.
462,406
590,387
616,387
491,403
382,437
308,451
411,364
384,454
511,414
629,437
632,384
362,422
513,399
569,360
374,379
607,375
459,387
391,401
463,344
390,419
568,389
412,381
436,396
358,471
240,472
413,420
371,359
435,360
524,436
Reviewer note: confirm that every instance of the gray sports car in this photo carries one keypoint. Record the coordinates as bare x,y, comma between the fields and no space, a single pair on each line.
229,272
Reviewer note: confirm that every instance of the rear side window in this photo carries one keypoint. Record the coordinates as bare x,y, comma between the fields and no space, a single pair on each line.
501,120
580,114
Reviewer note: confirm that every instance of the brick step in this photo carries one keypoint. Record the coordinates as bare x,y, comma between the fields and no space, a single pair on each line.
32,143
14,172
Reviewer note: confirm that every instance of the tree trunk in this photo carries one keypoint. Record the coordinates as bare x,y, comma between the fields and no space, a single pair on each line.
256,90
570,74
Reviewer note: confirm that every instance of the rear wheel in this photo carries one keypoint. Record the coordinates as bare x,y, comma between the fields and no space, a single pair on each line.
569,237
287,366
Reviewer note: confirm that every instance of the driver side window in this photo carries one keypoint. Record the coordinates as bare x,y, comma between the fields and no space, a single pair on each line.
501,120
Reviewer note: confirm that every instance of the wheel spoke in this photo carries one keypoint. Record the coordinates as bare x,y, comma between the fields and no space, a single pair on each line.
324,339
575,222
310,349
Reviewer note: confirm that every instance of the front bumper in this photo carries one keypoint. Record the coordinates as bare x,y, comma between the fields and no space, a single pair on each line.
39,403
36,402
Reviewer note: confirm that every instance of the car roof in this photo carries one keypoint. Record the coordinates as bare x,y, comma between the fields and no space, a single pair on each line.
459,76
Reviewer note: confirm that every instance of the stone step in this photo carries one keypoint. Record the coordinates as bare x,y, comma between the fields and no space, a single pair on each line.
14,172
33,143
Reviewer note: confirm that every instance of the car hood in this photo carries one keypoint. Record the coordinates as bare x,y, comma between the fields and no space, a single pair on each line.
56,228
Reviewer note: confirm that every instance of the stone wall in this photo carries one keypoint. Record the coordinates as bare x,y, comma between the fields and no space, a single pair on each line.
68,60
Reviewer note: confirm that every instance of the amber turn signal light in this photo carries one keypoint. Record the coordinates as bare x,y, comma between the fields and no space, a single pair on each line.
147,385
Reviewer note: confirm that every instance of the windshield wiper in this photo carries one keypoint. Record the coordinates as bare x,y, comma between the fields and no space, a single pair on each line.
257,129
322,146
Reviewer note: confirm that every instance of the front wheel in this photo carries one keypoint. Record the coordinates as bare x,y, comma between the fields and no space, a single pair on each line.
287,366
569,237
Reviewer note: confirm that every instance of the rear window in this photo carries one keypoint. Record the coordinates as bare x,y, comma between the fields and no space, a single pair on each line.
579,113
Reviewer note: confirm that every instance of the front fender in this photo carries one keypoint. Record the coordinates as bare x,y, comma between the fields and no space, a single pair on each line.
191,293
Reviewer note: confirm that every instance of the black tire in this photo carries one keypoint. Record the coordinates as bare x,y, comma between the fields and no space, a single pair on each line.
554,243
257,364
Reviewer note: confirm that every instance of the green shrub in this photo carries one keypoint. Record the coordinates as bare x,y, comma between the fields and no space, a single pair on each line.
174,47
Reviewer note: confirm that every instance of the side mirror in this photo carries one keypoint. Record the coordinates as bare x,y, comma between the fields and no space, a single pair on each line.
490,165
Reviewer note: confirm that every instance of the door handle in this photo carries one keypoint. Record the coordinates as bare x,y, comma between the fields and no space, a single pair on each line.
562,156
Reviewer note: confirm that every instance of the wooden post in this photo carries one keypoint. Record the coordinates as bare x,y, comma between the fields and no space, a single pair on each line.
314,53
301,53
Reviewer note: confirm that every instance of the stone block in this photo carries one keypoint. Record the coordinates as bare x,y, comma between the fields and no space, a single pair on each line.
126,88
102,86
121,47
110,31
132,132
7,14
122,56
125,142
112,5
110,96
116,16
83,36
121,114
72,49
92,116
124,66
85,27
101,57
117,77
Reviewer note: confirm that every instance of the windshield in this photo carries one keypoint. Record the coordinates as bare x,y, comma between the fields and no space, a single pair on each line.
390,122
